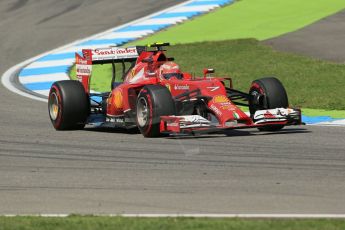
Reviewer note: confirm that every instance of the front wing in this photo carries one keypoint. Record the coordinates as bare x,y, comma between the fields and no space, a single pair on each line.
195,124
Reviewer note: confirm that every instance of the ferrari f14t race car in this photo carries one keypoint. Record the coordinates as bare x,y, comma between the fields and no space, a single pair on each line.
158,98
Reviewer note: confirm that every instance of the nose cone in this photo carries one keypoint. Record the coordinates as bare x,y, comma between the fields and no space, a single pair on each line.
226,111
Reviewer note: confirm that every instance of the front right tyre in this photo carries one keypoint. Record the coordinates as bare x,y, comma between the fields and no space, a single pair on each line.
267,93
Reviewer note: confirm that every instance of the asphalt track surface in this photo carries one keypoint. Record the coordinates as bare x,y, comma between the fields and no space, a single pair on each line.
324,39
299,170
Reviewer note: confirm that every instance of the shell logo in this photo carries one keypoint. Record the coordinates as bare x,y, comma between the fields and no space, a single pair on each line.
223,102
220,99
132,72
118,99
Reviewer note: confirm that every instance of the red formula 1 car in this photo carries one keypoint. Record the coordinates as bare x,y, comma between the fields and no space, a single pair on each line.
156,97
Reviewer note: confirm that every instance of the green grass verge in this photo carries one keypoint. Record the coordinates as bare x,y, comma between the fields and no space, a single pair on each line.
338,114
111,223
260,19
310,83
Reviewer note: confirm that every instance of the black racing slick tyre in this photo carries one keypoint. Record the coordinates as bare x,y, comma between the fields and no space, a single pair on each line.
68,105
267,93
153,102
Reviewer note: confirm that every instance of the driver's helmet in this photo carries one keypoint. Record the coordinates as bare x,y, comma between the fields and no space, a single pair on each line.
170,70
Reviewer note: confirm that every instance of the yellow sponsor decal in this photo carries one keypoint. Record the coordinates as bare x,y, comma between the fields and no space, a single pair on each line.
133,72
224,102
220,99
118,99
168,86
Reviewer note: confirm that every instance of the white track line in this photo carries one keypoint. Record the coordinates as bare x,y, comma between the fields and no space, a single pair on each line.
44,92
75,48
336,123
161,21
129,34
8,80
194,8
246,216
39,64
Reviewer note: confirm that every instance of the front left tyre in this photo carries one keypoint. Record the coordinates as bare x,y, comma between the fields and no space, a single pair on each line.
68,105
153,102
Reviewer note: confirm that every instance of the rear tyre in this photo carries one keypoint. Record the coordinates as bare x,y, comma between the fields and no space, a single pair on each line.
68,105
153,102
267,93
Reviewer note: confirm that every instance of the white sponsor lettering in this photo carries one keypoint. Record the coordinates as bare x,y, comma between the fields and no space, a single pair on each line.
181,87
114,53
82,61
114,119
213,88
216,110
83,70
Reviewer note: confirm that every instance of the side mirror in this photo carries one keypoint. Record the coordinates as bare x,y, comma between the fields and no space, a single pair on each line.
208,72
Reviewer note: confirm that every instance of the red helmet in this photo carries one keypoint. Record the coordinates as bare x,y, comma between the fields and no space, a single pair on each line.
170,69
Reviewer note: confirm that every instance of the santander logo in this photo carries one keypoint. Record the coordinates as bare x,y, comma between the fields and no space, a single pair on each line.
112,51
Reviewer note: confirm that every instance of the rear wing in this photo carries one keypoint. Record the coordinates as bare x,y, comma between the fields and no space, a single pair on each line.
110,55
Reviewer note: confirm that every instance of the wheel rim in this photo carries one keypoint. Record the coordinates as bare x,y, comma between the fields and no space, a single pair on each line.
142,112
53,106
